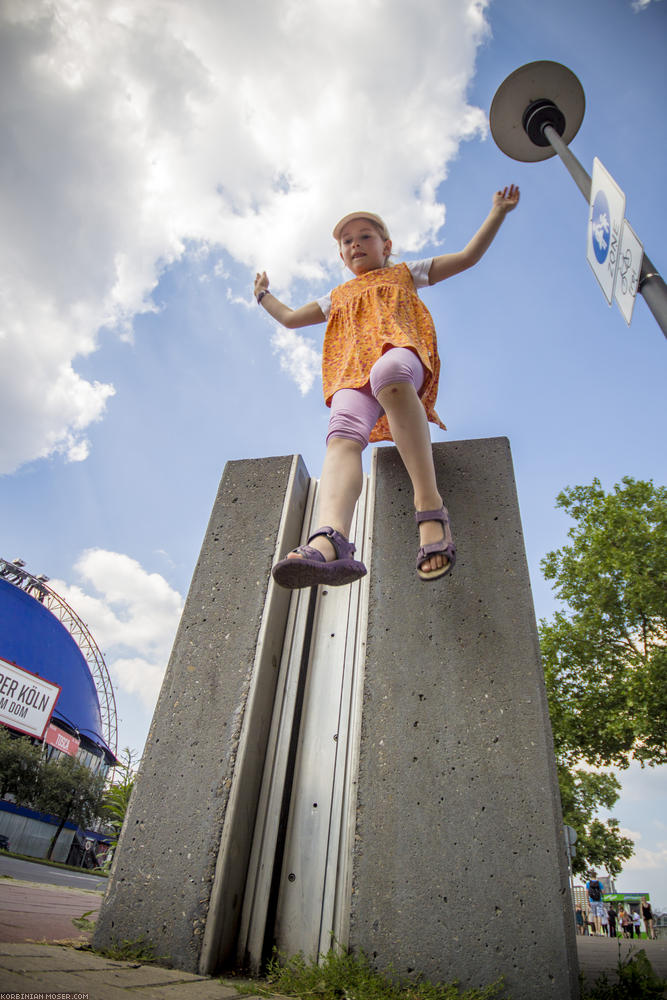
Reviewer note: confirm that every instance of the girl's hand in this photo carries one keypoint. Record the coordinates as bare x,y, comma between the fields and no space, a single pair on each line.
261,283
507,199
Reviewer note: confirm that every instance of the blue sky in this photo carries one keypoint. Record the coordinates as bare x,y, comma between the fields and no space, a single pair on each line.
156,156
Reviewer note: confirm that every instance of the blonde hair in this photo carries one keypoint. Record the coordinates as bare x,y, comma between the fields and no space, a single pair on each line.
382,230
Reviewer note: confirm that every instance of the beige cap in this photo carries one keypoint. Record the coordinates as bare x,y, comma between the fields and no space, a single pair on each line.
338,228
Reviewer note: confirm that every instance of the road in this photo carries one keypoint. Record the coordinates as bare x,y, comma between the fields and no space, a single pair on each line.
31,871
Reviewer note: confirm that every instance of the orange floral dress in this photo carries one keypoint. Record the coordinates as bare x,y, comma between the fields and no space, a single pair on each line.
369,315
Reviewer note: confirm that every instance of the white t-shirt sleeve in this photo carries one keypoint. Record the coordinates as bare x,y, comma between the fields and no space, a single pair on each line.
325,304
418,269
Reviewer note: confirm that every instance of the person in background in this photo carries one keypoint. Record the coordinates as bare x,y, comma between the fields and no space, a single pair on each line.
612,916
637,923
604,921
625,921
647,914
595,904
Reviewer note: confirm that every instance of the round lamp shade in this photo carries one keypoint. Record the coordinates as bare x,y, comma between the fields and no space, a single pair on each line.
537,83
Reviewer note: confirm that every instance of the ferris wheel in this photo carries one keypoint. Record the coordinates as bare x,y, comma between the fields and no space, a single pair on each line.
36,586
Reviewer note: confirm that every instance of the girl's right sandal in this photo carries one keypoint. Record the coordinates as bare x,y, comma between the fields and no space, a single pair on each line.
445,546
312,568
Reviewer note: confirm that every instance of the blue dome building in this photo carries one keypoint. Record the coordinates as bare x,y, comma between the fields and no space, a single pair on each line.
47,653
41,634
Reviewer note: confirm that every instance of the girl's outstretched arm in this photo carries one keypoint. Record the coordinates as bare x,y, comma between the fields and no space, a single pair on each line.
449,264
306,315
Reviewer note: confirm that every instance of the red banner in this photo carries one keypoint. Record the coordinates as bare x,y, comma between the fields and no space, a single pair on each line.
61,740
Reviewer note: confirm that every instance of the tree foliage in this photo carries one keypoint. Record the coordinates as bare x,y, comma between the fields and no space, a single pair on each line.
600,844
69,789
117,796
605,656
63,788
71,792
20,767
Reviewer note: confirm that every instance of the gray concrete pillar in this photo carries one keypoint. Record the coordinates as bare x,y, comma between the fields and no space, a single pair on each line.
456,869
179,876
459,861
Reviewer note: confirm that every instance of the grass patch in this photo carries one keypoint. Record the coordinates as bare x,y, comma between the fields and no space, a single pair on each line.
84,923
351,977
140,951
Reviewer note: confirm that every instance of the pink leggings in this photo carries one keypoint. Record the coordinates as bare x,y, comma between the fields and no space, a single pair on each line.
354,412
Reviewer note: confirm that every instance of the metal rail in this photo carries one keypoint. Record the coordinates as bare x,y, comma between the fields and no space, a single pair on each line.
299,875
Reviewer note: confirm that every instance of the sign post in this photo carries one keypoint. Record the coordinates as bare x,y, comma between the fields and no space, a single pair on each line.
571,838
629,268
535,114
605,222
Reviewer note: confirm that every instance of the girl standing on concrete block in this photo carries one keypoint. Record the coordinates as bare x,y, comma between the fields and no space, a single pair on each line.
380,369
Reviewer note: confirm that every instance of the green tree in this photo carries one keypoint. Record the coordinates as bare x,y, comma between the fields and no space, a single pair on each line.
71,792
605,657
62,787
20,767
117,796
600,844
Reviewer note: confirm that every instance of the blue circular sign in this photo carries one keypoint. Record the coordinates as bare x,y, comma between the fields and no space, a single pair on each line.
601,226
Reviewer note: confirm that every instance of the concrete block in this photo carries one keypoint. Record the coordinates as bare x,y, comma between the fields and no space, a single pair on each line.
180,870
459,862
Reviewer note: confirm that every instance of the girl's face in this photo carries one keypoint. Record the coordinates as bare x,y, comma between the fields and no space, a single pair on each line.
362,248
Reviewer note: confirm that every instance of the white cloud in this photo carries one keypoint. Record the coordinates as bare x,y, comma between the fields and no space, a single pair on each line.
137,676
645,858
639,5
248,303
132,615
299,358
133,131
634,835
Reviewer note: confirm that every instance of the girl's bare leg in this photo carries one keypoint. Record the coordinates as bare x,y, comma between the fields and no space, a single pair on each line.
340,487
409,429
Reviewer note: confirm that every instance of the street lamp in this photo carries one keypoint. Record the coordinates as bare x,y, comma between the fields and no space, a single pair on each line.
535,113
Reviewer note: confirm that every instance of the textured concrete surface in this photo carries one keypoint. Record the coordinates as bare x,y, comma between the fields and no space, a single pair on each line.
180,869
459,868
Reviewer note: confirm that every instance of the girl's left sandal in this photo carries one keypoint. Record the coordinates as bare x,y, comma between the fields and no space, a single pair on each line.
312,568
444,547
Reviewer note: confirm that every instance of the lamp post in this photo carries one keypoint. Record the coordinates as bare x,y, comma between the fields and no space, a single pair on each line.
535,113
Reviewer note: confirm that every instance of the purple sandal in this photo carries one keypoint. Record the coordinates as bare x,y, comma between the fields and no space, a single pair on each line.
313,568
445,546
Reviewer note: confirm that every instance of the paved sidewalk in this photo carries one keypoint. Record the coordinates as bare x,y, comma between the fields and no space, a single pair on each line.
47,968
36,911
33,917
600,954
